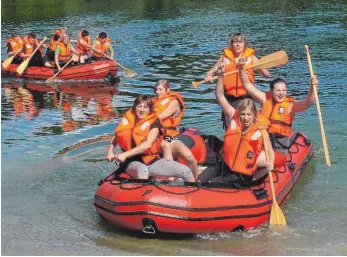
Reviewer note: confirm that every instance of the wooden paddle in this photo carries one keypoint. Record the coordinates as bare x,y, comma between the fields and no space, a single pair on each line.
269,61
276,214
325,143
9,60
25,63
53,77
130,72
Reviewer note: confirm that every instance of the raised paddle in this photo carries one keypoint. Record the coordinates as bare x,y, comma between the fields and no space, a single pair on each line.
276,214
325,143
9,60
269,61
25,63
53,77
130,72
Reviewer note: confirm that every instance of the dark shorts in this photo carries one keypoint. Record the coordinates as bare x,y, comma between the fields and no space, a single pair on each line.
280,143
172,139
49,56
220,173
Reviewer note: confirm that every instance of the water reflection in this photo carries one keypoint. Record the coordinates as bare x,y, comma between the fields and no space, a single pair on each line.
78,104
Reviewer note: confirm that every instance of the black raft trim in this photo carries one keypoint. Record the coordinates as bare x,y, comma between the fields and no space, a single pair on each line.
176,217
222,208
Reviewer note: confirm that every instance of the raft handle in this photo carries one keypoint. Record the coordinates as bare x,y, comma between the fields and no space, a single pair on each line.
149,226
149,230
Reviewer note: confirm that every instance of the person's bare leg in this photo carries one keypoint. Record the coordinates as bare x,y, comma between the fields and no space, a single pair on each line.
165,148
181,150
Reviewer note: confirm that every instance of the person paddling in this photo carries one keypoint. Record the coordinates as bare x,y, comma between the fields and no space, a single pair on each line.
233,88
63,52
139,134
102,46
243,148
83,45
169,107
279,108
50,52
14,44
31,42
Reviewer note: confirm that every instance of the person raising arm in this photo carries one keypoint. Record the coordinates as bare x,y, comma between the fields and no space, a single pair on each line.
243,148
279,108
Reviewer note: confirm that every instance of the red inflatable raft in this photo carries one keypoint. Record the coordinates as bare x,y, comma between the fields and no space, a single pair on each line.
158,205
89,71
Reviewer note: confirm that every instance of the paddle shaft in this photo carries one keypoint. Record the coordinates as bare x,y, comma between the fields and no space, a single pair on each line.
25,63
266,150
269,61
108,57
320,117
66,64
196,84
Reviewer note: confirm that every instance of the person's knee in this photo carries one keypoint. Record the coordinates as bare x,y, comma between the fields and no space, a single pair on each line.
186,173
140,172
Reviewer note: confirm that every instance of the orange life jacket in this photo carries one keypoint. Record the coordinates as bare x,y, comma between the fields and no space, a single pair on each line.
53,44
232,83
130,135
65,51
29,47
170,123
16,43
81,48
104,47
240,151
278,113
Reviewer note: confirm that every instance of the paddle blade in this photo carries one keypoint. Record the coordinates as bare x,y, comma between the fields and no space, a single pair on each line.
130,72
196,84
7,62
277,216
22,66
272,60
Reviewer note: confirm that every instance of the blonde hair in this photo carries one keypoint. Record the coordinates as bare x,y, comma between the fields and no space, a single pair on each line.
247,104
164,82
239,37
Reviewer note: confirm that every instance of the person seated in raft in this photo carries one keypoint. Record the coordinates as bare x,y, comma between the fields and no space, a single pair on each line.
50,52
14,43
243,148
83,45
31,42
63,52
102,46
280,109
139,134
233,88
169,107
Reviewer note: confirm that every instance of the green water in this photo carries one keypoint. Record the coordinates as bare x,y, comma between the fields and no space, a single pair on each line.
47,201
